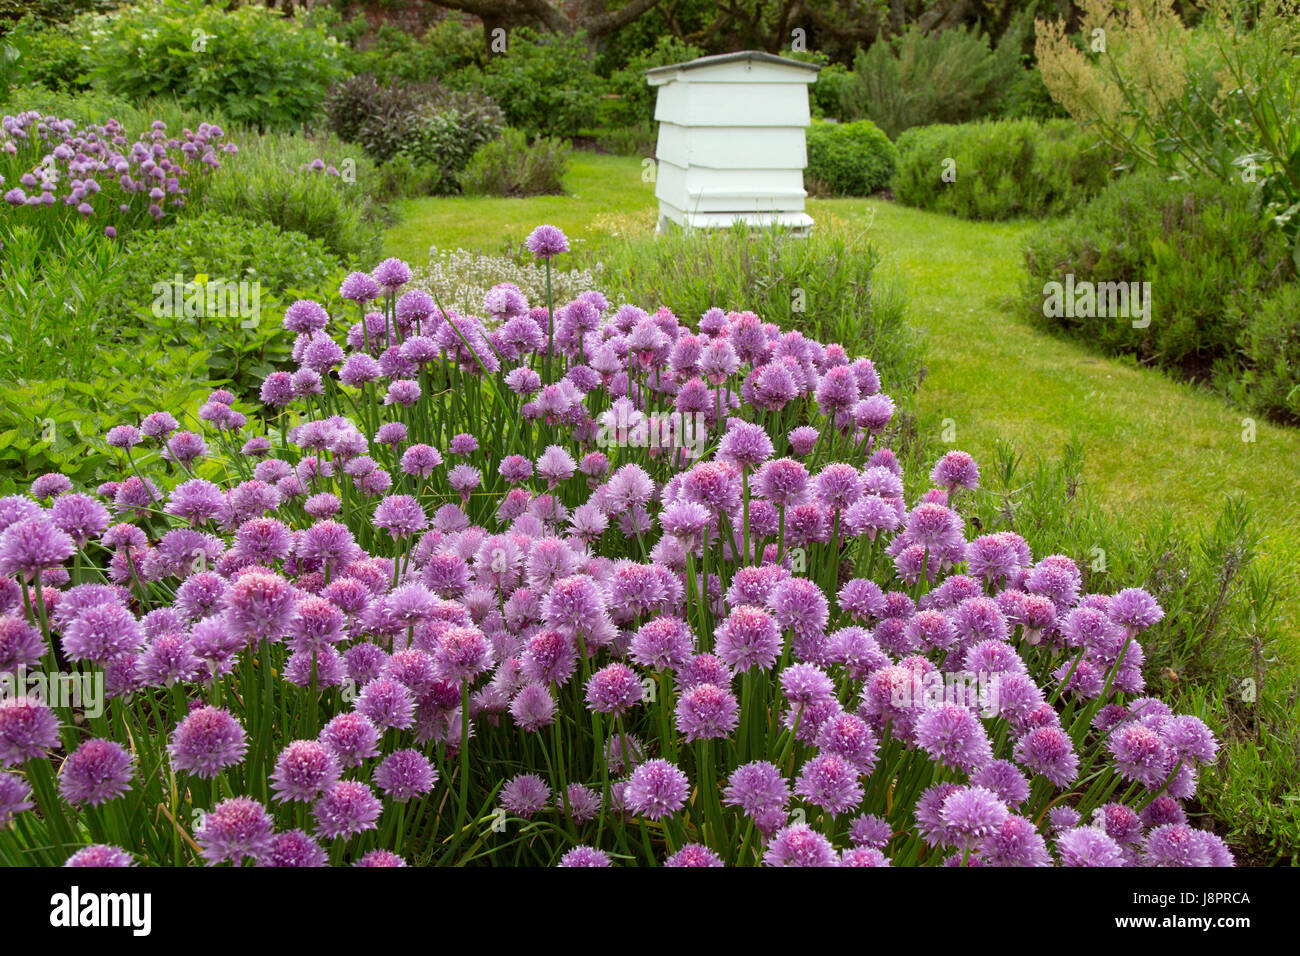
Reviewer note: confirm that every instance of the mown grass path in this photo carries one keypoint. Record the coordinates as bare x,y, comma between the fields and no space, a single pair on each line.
1149,442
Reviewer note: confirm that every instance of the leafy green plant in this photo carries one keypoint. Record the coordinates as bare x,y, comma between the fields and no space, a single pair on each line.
545,83
511,166
447,132
919,78
849,159
1001,169
1203,247
631,100
255,65
1269,341
266,182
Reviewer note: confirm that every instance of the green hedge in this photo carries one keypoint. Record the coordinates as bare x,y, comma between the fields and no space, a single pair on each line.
849,159
1216,268
1000,169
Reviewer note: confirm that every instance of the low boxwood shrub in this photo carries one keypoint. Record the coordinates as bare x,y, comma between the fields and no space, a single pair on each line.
1205,249
1000,169
511,166
849,159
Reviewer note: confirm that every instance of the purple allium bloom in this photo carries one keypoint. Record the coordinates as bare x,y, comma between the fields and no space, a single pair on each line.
293,848
462,654
97,771
420,460
1015,843
260,604
15,797
623,752
404,774
848,736
745,445
100,855
358,287
706,711
802,440
206,741
970,814
123,436
1004,779
387,703
352,737
831,782
381,858
1049,751
525,794
956,470
185,447
1088,846
694,854
656,789
400,515
515,469
1188,738
27,729
21,644
863,856
757,788
584,803
50,485
800,606
236,828
547,242
806,684
1135,609
196,500
870,831
463,445
585,856
662,642
799,845
305,316
346,809
749,637
32,545
613,689
392,274
304,770
79,516
555,465
533,707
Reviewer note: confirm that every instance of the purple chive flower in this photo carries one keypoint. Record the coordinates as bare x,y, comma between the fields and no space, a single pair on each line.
956,470
706,711
462,654
123,436
404,774
400,515
656,789
346,809
304,770
745,445
1015,842
206,741
100,855
392,274
381,858
749,637
870,831
352,738
802,440
27,729
21,644
831,782
1088,846
1049,751
358,287
971,814
848,736
525,794
293,848
585,856
387,703
50,485
799,845
546,242
236,828
15,797
662,642
79,516
97,771
954,736
31,546
758,788
533,707
694,854
613,689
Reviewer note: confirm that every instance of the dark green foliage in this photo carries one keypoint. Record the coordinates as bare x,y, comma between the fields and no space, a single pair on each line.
849,159
510,166
1001,169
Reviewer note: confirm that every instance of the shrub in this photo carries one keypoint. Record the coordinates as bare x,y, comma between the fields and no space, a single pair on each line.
631,100
449,129
376,116
1269,342
1001,169
1202,245
395,55
919,78
48,55
545,83
831,97
255,65
849,159
511,166
404,178
267,182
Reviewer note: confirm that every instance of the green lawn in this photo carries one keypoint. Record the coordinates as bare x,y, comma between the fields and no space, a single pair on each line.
1148,441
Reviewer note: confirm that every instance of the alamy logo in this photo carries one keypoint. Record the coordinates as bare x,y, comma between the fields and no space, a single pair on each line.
84,691
1087,300
76,909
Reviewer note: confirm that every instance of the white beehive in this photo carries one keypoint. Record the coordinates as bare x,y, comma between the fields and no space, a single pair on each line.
731,140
